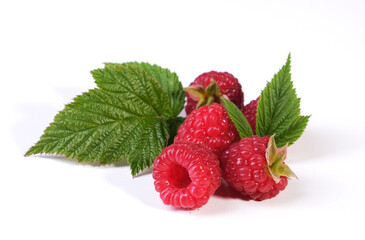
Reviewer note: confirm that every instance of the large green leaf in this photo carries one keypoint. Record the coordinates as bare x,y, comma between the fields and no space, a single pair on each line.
125,118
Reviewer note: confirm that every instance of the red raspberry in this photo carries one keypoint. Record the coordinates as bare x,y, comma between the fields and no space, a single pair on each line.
250,111
186,175
255,167
209,126
228,86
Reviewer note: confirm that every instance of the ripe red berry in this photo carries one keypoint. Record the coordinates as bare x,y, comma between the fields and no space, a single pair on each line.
255,167
186,175
209,126
228,87
250,111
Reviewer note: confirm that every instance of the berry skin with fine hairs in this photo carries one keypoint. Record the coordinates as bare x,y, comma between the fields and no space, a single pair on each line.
186,175
208,126
255,167
250,112
229,87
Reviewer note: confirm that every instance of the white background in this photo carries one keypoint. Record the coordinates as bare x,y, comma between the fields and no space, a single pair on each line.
47,49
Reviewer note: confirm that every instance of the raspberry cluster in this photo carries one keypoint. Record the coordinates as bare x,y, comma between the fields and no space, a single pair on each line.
208,148
187,172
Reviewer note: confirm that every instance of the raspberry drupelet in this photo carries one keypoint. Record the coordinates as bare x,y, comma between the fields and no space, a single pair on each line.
250,112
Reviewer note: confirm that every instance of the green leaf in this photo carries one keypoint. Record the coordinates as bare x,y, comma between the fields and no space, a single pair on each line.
278,110
125,118
293,132
238,119
168,80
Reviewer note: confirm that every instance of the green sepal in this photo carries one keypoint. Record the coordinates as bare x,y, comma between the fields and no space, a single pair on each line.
202,102
196,92
205,96
210,100
275,158
213,89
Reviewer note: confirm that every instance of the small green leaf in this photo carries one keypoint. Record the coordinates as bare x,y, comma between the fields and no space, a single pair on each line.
169,82
125,118
213,89
278,110
238,119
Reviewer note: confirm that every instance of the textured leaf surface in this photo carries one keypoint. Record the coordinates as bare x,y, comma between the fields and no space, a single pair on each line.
125,118
238,119
278,110
293,132
169,82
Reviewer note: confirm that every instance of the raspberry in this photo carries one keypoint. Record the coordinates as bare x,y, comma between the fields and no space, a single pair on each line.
228,86
250,111
186,175
255,167
209,126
